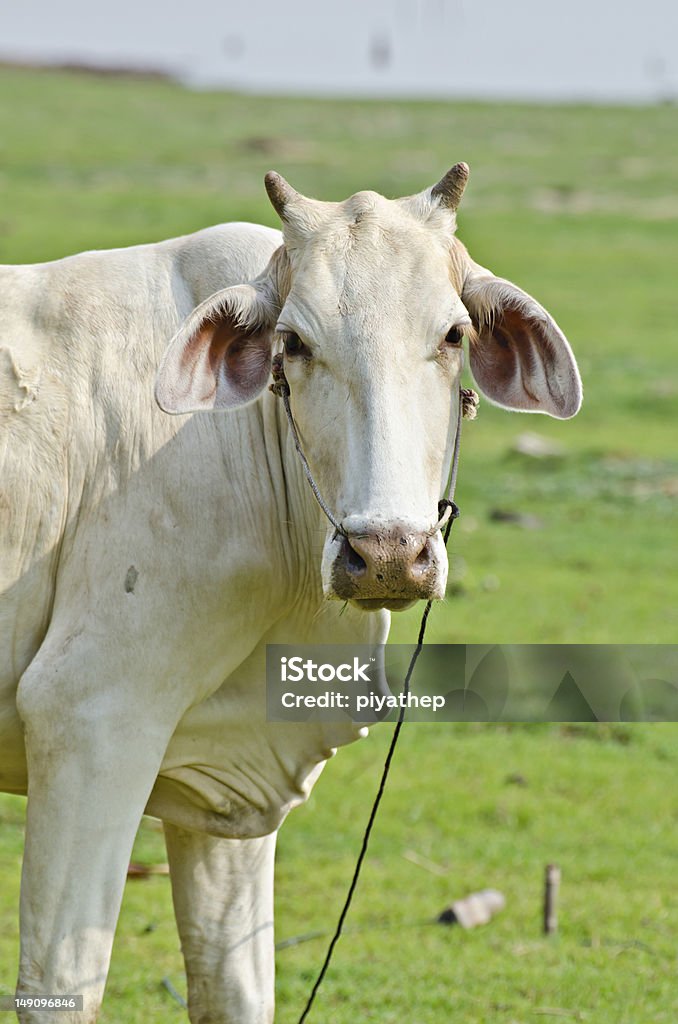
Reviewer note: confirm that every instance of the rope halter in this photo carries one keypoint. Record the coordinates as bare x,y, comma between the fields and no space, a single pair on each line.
447,509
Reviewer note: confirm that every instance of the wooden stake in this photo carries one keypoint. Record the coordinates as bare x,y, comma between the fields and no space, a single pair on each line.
551,887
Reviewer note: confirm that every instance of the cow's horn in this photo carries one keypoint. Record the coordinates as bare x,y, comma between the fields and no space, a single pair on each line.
280,192
450,189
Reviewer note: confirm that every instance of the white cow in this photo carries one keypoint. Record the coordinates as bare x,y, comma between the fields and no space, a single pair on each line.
146,560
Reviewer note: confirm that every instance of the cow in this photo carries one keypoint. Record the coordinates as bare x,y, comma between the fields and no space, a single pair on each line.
148,559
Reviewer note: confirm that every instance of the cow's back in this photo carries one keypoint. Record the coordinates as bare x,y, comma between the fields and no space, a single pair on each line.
80,340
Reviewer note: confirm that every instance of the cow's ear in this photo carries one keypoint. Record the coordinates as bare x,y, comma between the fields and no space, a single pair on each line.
520,358
221,356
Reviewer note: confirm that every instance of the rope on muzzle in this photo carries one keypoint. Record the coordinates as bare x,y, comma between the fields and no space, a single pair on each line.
448,511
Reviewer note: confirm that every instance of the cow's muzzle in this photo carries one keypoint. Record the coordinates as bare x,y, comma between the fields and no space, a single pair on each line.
387,566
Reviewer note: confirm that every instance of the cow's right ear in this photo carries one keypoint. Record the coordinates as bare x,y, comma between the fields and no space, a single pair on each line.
221,356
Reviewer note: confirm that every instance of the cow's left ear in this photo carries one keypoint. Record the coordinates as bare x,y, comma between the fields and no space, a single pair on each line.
520,358
221,356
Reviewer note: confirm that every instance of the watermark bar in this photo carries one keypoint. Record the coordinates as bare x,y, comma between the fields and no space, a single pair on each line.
43,1002
473,683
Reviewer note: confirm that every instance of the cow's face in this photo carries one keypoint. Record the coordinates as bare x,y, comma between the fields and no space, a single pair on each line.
369,301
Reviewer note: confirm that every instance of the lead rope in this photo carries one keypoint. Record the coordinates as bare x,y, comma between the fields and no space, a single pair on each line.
448,511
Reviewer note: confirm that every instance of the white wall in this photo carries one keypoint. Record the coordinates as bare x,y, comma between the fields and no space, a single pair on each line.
538,49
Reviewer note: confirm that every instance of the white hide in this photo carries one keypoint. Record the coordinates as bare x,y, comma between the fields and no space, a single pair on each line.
146,560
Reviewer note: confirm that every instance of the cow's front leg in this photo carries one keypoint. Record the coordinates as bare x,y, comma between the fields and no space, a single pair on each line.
223,899
94,746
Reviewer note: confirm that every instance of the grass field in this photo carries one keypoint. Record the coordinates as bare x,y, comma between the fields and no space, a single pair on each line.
578,206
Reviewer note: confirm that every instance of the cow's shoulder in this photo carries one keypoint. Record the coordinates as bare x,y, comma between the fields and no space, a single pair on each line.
80,340
223,255
200,263
77,323
59,294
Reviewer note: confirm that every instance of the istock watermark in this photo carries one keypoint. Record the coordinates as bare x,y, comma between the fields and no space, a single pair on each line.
474,683
51,1003
297,670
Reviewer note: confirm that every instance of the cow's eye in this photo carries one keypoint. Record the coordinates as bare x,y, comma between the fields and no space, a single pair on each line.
455,335
294,346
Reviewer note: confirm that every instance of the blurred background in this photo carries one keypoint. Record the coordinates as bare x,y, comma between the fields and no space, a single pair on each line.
130,123
582,50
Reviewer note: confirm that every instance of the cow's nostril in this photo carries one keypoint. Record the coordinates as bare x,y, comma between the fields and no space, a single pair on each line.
423,559
352,560
393,564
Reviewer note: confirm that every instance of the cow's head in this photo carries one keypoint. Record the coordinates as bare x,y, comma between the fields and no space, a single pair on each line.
369,300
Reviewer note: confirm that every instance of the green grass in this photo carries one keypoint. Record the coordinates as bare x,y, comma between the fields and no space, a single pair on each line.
578,206
599,801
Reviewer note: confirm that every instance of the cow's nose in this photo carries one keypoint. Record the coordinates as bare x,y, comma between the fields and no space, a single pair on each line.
380,566
369,557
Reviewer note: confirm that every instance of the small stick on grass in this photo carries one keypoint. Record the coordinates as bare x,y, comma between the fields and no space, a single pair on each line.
169,987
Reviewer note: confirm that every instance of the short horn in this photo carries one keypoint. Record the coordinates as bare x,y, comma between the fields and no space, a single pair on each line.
450,189
280,192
